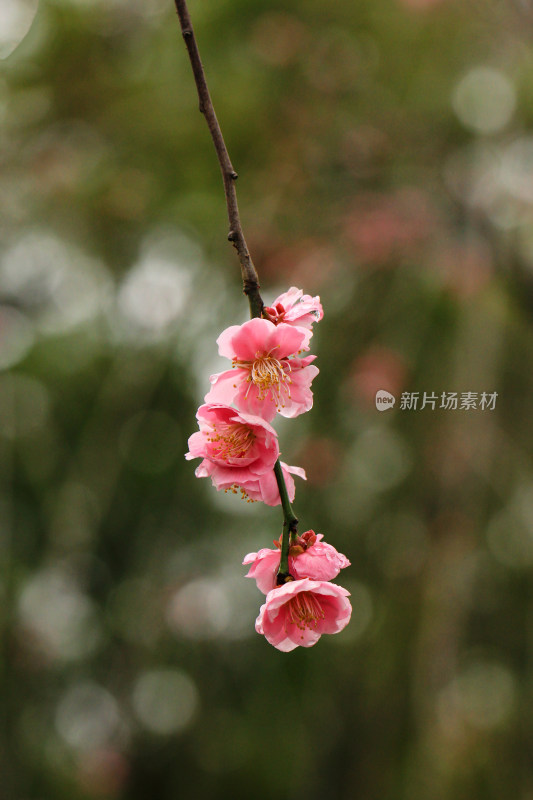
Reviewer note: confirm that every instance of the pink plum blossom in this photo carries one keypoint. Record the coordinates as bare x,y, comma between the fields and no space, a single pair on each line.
295,308
266,376
236,448
309,557
299,612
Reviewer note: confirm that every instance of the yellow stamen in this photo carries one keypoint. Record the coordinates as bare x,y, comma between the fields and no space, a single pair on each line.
304,611
270,375
234,489
233,440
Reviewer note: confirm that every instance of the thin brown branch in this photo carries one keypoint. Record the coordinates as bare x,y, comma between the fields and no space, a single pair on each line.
250,280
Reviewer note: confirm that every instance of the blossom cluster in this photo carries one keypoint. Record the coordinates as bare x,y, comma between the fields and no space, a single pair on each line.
300,611
268,376
271,373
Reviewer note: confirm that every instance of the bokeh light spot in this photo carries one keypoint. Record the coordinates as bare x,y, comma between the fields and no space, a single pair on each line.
482,695
87,716
165,700
59,615
484,100
199,610
16,17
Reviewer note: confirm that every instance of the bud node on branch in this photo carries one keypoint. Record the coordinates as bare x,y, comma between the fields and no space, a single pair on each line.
250,286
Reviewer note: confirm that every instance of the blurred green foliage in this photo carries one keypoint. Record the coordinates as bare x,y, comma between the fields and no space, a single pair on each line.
385,155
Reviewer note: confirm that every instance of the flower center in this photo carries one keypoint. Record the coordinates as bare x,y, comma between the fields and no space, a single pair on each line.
304,610
231,440
269,375
267,372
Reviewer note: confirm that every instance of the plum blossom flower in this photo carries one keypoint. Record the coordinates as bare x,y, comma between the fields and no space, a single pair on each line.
236,448
309,557
295,308
267,376
299,612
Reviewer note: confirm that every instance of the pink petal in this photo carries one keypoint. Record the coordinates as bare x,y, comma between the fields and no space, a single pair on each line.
225,341
299,471
254,420
244,341
267,489
287,340
320,562
248,399
302,638
277,597
300,309
202,470
289,298
301,399
273,629
224,386
264,567
196,446
337,613
285,645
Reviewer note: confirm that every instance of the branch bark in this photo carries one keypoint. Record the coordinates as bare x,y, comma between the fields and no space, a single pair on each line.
290,527
250,280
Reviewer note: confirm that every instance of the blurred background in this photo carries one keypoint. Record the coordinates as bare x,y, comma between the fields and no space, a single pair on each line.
385,154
